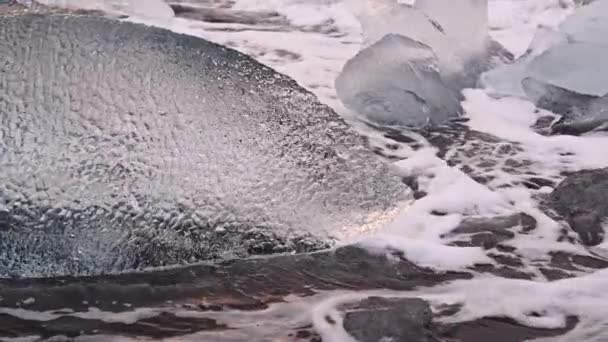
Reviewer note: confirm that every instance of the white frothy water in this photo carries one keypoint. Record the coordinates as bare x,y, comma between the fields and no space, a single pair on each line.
311,44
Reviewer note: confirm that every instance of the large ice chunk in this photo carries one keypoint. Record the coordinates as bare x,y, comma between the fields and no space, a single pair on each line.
396,81
124,146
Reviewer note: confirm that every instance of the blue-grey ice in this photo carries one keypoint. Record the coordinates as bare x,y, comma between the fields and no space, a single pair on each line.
564,71
571,58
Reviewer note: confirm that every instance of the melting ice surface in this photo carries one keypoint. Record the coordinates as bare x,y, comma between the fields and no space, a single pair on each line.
419,233
568,60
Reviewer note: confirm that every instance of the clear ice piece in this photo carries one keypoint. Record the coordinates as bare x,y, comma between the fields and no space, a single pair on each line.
436,23
396,82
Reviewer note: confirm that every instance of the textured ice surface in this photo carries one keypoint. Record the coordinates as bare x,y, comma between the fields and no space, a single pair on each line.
396,81
124,146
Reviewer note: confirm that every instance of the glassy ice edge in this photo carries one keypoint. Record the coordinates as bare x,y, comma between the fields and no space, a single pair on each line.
322,36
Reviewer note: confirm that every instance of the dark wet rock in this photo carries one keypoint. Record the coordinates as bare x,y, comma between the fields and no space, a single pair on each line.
456,134
11,7
582,201
221,15
162,326
410,319
590,261
488,232
392,319
503,271
507,260
498,330
573,262
494,55
553,274
537,183
238,283
174,150
543,124
490,240
505,248
480,155
304,334
583,2
495,224
582,113
249,285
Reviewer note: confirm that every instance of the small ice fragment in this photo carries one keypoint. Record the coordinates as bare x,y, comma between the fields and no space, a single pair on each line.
396,82
28,301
